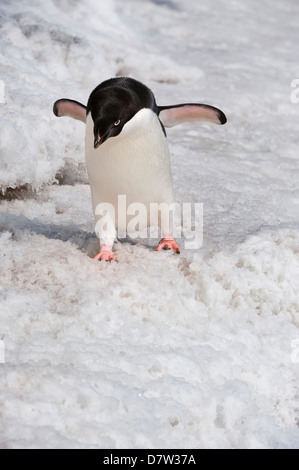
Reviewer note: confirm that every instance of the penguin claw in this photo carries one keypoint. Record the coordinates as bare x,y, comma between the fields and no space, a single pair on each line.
168,244
105,254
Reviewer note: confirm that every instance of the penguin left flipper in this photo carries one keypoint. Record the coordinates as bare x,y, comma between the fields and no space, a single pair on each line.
190,112
71,108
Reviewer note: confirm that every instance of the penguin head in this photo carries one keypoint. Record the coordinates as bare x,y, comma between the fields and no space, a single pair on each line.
111,108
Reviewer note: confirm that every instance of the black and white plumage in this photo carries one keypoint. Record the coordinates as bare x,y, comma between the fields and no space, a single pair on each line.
126,149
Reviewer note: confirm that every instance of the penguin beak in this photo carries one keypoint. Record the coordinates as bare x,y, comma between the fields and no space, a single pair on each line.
97,141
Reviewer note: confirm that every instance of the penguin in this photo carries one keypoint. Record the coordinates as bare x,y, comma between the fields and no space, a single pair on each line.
127,154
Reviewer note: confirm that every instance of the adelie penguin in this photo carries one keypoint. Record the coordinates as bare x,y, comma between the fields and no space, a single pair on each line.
127,153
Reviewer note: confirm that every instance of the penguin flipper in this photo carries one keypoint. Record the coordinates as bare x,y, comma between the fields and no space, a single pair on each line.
190,112
71,108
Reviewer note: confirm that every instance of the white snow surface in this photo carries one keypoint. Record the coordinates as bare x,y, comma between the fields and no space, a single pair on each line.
158,350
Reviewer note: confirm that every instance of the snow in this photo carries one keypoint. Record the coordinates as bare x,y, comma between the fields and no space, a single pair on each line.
158,350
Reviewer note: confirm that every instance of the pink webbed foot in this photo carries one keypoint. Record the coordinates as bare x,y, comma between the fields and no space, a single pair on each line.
105,254
168,244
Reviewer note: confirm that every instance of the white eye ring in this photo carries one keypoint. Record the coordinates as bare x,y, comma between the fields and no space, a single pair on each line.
117,123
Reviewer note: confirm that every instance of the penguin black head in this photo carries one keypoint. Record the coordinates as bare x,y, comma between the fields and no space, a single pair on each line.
113,103
110,109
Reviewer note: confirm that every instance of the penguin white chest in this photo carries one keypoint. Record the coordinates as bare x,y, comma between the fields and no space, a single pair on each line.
135,163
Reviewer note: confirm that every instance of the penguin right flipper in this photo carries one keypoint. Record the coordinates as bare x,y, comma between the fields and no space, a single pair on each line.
71,108
173,115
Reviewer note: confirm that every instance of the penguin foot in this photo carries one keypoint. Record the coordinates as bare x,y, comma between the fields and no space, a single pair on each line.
105,254
168,244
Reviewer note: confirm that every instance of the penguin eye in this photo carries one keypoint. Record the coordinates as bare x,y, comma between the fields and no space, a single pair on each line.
117,123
